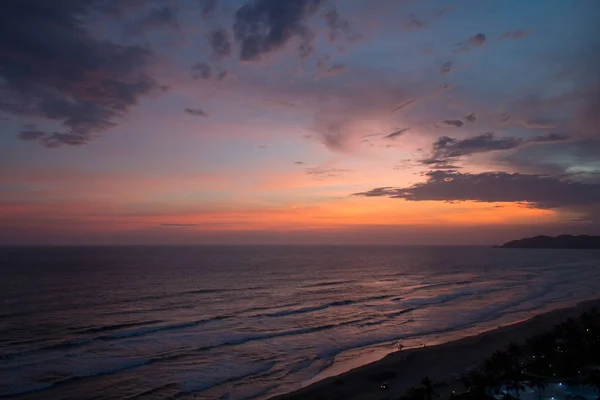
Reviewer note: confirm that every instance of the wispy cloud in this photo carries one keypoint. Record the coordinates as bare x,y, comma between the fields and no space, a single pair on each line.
446,147
198,112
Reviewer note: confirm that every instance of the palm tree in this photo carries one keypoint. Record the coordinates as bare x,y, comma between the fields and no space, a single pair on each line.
593,380
539,383
515,351
516,382
476,384
428,387
415,394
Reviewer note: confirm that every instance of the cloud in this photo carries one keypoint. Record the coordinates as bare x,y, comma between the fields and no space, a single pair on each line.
53,68
550,137
160,17
338,26
454,122
322,173
538,190
201,70
534,123
222,75
446,147
50,139
220,43
477,40
573,157
31,132
434,163
299,162
446,67
396,133
179,225
324,70
471,117
208,7
414,24
198,112
516,34
263,26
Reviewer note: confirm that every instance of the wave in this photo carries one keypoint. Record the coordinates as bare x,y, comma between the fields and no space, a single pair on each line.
338,303
107,370
162,328
116,327
396,313
77,376
115,336
36,387
195,387
329,283
146,393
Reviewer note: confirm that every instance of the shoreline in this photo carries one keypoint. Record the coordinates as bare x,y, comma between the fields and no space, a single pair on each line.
442,363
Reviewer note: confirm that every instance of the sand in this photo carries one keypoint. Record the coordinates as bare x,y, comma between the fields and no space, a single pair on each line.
441,363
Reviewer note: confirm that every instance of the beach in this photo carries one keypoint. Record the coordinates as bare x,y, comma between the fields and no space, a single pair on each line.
441,363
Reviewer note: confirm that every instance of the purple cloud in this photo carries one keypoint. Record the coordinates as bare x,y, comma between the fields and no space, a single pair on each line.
539,190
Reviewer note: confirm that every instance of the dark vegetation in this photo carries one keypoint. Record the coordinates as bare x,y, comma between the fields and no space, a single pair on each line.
569,353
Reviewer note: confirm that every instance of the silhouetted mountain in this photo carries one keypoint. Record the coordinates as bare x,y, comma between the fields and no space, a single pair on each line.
558,242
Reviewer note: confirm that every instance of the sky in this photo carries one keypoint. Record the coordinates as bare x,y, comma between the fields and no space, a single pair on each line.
298,121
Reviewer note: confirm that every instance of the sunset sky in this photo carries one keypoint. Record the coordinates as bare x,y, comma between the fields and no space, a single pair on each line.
298,121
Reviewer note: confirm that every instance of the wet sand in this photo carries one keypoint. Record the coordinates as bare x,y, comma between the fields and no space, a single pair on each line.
441,363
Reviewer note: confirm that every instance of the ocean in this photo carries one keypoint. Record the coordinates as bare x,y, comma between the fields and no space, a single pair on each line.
250,322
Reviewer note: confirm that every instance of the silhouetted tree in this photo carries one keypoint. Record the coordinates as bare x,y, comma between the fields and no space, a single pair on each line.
539,384
429,388
593,380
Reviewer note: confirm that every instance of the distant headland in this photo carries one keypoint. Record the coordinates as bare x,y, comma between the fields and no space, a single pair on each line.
557,242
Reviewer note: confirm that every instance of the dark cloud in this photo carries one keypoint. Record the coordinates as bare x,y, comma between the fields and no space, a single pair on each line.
435,163
403,105
53,68
477,40
538,190
557,158
31,132
396,133
517,34
220,43
263,26
222,75
551,137
534,123
332,70
444,11
471,117
446,147
208,7
299,162
454,122
338,26
51,139
198,112
413,24
323,173
446,67
201,70
178,225
160,17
